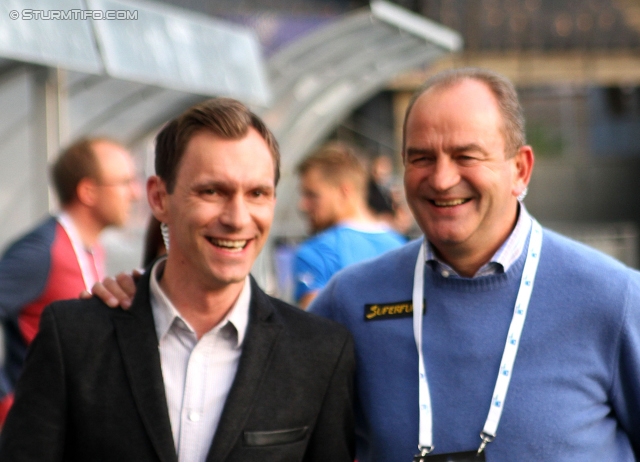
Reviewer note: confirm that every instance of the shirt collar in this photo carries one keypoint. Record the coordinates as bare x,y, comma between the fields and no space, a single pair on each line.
165,312
505,256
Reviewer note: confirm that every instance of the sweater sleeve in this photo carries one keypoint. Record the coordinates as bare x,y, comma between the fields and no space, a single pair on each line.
24,269
625,389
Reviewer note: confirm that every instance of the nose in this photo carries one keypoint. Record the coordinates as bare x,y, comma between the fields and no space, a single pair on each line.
303,204
306,202
236,213
444,174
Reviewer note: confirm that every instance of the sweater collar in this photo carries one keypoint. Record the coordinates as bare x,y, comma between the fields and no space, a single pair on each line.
502,260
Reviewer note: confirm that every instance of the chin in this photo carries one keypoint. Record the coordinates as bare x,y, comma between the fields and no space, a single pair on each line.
231,277
446,237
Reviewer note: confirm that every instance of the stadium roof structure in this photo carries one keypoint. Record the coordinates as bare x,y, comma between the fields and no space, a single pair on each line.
320,79
131,64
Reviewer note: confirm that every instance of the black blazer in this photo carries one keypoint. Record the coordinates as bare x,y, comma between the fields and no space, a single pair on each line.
92,389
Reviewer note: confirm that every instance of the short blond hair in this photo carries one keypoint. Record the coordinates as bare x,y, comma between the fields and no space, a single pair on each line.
337,161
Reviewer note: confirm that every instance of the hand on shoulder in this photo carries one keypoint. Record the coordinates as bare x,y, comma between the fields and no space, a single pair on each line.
116,292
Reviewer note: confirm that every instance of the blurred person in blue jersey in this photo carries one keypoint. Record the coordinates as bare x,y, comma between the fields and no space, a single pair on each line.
333,189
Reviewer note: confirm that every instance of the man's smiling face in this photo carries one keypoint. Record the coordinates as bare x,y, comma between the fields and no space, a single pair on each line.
460,184
221,209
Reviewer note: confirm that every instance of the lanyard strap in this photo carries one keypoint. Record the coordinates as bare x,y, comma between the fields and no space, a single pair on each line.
425,438
82,258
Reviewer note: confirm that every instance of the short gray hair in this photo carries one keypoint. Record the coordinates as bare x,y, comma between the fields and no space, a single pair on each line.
502,89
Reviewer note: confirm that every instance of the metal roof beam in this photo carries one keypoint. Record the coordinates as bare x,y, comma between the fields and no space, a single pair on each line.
321,78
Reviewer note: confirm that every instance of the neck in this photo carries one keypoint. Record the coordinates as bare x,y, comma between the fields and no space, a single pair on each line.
202,306
86,226
467,258
358,213
466,263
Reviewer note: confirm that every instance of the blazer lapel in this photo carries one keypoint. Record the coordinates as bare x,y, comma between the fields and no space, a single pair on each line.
138,342
260,340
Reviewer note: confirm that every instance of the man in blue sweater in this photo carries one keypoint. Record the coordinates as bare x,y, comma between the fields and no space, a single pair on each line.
529,342
508,307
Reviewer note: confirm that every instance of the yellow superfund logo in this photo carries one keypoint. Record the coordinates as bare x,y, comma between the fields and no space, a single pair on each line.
375,311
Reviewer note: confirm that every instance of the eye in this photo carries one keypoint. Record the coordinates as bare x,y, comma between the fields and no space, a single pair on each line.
466,159
420,158
208,191
260,193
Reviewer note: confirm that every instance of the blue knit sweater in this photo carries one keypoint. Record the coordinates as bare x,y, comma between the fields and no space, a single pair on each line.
575,388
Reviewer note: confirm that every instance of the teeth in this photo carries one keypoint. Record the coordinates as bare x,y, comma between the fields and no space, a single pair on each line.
228,244
450,203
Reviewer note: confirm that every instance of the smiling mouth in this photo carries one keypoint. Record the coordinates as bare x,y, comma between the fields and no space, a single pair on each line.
228,244
450,203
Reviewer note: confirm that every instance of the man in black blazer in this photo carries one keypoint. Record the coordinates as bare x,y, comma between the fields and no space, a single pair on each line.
99,383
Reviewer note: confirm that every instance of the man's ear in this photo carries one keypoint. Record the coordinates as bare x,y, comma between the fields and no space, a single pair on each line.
523,165
87,192
346,189
157,196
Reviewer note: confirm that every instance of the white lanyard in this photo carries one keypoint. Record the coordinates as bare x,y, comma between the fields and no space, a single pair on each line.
79,250
425,438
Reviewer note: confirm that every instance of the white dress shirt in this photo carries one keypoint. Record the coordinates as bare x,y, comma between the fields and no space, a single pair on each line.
197,374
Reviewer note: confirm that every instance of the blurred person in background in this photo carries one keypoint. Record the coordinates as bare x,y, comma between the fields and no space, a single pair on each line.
386,200
333,190
95,182
379,195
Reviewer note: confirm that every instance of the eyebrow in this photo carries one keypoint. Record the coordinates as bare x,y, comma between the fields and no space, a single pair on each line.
410,151
224,186
456,149
469,147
